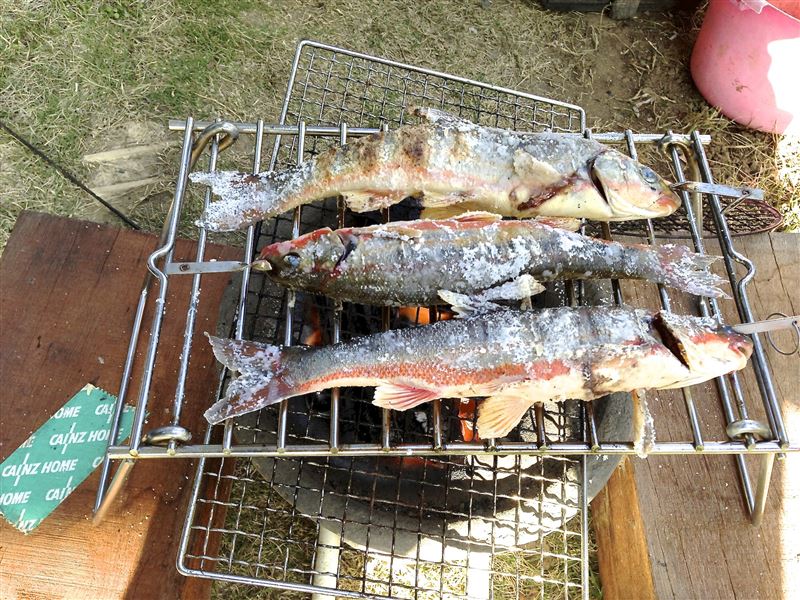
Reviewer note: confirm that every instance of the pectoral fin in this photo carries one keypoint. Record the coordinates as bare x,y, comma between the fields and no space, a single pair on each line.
520,288
400,396
366,201
498,415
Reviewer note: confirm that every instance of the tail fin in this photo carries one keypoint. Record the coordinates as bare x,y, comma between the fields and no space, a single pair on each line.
688,271
246,199
261,380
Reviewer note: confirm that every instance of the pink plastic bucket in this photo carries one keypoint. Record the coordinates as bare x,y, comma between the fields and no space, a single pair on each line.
746,62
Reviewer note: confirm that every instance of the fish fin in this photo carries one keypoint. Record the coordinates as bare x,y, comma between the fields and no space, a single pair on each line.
241,355
435,213
245,198
396,230
441,117
688,271
566,223
261,381
366,201
400,396
520,288
500,413
477,216
535,171
464,305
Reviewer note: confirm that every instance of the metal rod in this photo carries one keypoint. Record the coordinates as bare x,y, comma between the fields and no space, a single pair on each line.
283,411
123,389
194,299
611,137
452,448
743,302
337,321
584,500
165,251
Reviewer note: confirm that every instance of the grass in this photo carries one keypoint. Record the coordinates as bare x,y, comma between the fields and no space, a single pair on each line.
263,533
73,73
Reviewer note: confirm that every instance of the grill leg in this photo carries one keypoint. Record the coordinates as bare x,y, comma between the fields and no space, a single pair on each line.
326,561
119,479
762,488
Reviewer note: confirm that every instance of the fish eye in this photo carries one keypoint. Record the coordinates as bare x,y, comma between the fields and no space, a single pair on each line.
649,175
292,259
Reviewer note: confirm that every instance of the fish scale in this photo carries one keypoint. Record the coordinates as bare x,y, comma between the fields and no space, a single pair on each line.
422,263
513,357
451,166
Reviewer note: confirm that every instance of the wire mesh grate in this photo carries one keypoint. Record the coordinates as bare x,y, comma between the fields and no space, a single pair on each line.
337,494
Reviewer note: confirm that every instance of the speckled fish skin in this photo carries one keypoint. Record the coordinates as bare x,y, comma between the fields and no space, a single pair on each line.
514,357
409,263
448,161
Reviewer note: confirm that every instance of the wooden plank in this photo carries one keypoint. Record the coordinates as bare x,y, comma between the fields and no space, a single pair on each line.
695,540
68,291
617,523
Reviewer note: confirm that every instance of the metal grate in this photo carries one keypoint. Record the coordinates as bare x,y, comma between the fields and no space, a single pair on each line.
264,521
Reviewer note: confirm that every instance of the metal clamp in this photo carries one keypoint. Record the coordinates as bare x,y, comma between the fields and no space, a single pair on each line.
740,193
228,131
795,327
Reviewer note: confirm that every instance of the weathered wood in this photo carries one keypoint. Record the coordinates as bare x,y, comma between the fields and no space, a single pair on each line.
68,291
695,540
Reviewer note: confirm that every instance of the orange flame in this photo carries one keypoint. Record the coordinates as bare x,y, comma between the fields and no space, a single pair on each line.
466,418
315,337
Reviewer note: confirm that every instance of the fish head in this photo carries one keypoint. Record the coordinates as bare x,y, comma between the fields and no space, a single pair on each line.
631,189
304,259
707,349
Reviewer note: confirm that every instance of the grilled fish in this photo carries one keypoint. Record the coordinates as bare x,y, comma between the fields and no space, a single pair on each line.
468,258
513,357
446,161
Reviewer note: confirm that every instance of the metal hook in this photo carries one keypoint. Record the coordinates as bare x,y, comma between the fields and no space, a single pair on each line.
795,327
229,132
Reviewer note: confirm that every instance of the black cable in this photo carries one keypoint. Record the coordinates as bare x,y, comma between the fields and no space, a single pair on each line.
68,175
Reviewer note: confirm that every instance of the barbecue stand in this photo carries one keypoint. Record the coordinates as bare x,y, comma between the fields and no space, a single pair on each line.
363,502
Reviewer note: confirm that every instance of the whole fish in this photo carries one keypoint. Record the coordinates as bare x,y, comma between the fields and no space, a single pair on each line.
513,357
468,259
446,161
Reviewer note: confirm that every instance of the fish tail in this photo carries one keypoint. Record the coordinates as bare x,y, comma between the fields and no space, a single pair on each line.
263,377
689,271
246,199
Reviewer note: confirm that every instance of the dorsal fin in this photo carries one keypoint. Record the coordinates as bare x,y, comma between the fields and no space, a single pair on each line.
442,117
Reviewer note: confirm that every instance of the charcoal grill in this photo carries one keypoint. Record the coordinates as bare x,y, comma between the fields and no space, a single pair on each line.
282,497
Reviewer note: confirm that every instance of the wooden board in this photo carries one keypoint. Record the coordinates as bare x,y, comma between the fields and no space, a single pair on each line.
675,527
68,292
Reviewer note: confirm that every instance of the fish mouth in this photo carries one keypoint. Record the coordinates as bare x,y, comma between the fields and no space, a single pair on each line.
261,265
